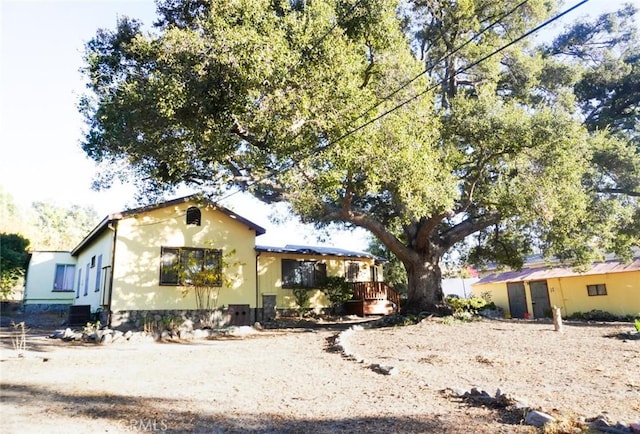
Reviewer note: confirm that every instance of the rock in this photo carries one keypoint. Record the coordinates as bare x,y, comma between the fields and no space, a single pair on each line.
385,370
117,335
128,335
258,326
537,418
200,334
635,428
106,338
185,335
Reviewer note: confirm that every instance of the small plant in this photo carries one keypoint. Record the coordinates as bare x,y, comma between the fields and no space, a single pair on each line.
636,323
91,327
19,338
301,296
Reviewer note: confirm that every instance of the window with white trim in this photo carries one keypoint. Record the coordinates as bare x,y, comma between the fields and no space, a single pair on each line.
63,281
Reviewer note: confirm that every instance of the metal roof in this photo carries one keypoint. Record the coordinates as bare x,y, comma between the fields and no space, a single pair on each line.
318,250
542,273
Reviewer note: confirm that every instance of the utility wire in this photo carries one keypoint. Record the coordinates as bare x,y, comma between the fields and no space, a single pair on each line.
442,58
430,88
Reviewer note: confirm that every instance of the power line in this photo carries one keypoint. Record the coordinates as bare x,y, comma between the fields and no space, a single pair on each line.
430,88
444,57
457,72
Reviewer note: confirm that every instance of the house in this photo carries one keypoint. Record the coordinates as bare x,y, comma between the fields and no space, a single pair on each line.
134,265
610,286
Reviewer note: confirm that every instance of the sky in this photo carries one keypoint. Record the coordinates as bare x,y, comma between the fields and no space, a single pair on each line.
41,128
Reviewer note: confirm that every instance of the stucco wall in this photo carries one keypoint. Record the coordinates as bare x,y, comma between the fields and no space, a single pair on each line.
136,270
570,293
270,277
93,271
40,278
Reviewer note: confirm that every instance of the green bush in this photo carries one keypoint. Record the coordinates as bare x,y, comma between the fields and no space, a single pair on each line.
470,305
337,290
301,296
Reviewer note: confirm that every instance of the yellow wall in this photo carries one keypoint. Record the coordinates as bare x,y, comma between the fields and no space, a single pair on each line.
136,270
270,276
570,293
99,247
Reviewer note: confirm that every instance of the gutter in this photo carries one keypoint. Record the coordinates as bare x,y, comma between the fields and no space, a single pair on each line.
257,288
113,226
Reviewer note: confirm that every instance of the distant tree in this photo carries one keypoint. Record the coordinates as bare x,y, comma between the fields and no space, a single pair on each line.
13,259
418,123
61,228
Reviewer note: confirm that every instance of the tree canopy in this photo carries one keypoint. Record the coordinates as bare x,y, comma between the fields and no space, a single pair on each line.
422,122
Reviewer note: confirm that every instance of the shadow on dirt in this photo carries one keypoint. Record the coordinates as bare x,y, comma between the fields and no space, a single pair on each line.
166,415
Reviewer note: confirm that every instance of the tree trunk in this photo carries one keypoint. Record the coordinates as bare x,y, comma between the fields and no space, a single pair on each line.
424,280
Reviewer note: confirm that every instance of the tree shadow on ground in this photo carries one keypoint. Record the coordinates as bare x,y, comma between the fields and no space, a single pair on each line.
171,416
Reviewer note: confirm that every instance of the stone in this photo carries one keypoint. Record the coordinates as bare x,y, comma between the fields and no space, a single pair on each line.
385,370
537,418
106,339
635,428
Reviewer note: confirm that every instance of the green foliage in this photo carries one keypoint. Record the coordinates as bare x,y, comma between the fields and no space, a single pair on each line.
467,308
205,282
337,290
316,104
13,260
394,272
636,323
301,296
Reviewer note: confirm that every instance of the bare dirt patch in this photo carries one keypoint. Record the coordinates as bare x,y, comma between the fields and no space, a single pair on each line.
293,380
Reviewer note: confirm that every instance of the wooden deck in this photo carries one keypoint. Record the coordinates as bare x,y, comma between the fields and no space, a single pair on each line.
373,298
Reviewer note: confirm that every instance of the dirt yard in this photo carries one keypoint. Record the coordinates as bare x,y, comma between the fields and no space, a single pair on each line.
296,381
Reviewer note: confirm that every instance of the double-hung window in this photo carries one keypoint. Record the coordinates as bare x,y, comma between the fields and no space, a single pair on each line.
63,280
181,265
303,274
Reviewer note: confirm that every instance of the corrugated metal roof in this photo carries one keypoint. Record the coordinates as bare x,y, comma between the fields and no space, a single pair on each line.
542,273
318,250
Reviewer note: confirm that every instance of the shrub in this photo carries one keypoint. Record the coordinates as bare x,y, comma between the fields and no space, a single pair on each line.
301,296
337,290
470,305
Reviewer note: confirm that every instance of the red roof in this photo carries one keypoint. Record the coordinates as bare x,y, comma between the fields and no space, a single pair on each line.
542,273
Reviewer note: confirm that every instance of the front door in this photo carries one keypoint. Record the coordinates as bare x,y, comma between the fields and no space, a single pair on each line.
517,299
540,299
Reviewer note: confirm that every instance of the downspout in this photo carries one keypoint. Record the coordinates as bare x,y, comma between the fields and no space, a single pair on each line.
114,227
257,287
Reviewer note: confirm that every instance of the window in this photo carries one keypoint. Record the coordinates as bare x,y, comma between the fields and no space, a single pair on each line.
86,280
303,274
352,272
98,273
177,263
93,261
64,277
599,289
194,216
79,282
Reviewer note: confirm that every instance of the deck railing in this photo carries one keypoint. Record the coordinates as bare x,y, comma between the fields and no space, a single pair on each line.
375,291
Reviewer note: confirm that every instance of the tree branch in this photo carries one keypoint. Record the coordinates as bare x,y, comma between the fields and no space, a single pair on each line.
469,226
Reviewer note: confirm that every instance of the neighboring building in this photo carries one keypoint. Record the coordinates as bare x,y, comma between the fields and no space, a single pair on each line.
130,265
49,282
609,286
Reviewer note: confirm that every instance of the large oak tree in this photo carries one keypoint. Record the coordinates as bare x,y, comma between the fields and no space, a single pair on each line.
420,123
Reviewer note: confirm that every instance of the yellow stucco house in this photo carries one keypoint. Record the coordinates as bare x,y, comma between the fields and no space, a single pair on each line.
131,265
609,286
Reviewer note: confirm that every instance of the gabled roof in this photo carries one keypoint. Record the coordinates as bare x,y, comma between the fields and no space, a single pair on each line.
542,273
197,198
317,250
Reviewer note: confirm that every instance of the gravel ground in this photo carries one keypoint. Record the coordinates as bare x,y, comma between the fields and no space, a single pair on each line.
295,380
